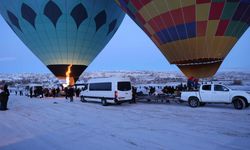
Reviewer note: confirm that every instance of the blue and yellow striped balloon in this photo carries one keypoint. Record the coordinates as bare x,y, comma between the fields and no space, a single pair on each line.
196,35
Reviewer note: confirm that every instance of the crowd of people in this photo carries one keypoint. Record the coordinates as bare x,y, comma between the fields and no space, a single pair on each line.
192,84
41,92
68,92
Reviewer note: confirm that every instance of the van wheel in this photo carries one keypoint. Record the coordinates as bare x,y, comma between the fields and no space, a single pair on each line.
239,103
104,102
193,102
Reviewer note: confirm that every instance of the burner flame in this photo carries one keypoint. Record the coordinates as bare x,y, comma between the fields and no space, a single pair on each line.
68,78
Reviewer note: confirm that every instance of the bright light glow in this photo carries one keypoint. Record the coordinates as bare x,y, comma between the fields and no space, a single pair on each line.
68,75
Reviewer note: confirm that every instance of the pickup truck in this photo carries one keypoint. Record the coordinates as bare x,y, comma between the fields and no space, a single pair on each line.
216,93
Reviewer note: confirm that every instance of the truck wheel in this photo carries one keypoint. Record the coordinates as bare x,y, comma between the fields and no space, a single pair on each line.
104,102
193,102
239,103
202,104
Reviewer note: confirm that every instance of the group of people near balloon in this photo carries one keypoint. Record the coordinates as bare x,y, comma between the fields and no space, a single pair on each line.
40,92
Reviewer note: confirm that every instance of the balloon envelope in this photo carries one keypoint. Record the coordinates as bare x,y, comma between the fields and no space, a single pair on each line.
196,35
63,33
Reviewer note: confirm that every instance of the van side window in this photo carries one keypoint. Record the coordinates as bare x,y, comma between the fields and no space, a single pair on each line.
206,87
220,88
124,86
105,86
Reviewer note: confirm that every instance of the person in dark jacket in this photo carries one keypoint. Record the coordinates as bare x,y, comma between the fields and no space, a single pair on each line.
54,92
1,98
57,91
71,93
6,96
78,92
134,91
66,92
31,92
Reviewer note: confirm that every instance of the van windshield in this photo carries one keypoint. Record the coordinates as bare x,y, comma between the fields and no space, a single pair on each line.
124,86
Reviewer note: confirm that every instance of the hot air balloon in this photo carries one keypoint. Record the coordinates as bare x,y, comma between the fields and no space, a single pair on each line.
196,35
66,35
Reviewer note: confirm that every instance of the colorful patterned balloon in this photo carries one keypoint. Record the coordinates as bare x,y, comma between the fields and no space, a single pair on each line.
196,35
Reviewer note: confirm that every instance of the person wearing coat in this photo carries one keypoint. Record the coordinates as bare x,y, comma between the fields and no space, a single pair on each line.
5,97
1,98
71,93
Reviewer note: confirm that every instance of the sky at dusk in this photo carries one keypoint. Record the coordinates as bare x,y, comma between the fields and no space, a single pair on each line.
130,49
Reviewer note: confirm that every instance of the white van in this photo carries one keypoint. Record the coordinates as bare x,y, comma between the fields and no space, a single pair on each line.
36,89
107,90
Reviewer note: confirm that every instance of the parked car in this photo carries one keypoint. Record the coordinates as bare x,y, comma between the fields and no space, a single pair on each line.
216,93
107,90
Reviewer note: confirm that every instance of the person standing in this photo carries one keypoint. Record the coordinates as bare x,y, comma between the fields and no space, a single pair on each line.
66,92
134,91
196,83
6,97
31,92
57,92
71,94
78,92
54,92
1,98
